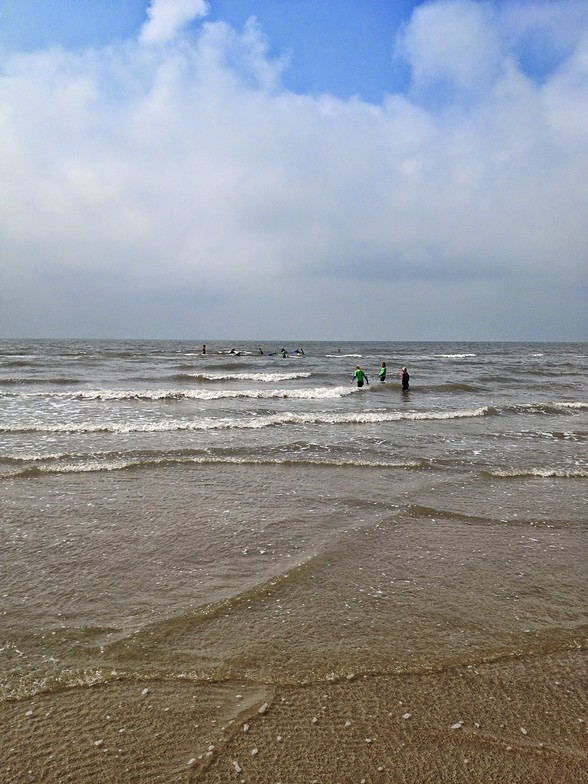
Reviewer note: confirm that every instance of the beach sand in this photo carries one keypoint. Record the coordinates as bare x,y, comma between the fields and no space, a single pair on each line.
514,720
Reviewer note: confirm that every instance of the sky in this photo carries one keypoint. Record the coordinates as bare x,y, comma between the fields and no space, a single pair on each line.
302,169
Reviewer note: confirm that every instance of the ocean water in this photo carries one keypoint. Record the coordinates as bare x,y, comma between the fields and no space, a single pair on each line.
173,515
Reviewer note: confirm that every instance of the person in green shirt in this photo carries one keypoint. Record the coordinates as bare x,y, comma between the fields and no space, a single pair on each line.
383,371
360,377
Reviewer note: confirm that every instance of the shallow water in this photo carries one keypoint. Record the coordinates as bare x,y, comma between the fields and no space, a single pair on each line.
222,517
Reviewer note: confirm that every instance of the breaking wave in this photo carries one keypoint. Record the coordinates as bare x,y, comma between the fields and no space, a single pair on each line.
149,395
540,473
244,423
163,461
262,377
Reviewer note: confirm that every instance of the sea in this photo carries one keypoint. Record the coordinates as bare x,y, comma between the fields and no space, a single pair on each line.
250,513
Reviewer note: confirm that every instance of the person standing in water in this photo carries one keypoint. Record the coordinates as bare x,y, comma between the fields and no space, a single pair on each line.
383,372
405,378
360,377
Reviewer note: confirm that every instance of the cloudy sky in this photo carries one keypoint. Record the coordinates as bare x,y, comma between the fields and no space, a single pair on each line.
304,169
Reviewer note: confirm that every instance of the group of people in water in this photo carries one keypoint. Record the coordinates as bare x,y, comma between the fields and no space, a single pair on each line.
299,352
360,376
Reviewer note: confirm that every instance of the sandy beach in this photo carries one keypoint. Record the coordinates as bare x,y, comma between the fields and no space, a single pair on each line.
517,720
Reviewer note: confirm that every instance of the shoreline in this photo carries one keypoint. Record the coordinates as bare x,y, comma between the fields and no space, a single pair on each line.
514,720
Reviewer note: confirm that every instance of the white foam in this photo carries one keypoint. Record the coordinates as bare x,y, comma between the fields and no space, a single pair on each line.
245,423
543,473
265,377
455,356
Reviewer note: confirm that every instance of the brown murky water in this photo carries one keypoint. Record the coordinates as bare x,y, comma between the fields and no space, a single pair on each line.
317,588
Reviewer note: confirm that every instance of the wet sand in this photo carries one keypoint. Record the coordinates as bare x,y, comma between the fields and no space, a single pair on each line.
515,720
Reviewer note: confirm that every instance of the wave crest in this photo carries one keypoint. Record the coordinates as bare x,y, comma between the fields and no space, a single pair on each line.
245,423
540,473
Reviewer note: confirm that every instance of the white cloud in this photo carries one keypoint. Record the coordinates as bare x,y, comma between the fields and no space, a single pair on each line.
147,189
167,17
453,41
551,28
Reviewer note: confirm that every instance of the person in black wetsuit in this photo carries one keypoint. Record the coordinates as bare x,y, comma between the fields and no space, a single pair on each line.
405,378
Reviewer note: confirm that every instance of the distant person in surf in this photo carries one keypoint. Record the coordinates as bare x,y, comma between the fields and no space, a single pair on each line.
405,378
360,377
383,371
204,349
